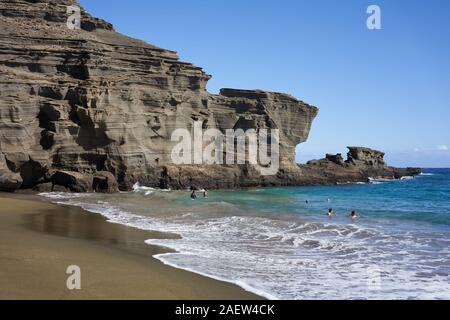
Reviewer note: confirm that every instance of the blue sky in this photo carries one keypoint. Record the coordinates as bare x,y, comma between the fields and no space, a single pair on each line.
387,89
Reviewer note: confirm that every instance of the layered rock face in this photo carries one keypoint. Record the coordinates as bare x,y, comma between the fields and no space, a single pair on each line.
82,109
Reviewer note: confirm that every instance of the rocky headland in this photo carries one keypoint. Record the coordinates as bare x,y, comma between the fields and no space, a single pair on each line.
91,109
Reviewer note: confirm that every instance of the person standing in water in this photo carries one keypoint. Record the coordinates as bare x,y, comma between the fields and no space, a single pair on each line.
193,195
330,212
205,193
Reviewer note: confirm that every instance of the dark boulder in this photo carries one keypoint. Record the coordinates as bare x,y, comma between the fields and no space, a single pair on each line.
74,181
10,181
105,182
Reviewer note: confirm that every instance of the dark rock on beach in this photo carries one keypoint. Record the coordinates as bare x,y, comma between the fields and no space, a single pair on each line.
92,109
74,181
10,181
105,182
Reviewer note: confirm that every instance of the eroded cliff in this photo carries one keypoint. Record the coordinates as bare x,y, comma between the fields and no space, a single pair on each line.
80,109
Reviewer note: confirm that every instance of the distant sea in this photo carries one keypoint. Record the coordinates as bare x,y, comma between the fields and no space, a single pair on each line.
273,243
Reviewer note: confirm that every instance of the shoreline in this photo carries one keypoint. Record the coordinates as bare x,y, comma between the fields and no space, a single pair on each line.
39,240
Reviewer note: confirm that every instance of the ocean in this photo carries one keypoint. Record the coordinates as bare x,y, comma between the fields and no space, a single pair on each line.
279,242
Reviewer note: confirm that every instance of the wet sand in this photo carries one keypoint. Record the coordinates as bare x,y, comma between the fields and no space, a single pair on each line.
39,240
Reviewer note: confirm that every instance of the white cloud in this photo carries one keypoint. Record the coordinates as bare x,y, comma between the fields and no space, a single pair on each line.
442,147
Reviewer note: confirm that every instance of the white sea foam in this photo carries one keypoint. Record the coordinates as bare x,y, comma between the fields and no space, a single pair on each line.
147,190
380,180
63,195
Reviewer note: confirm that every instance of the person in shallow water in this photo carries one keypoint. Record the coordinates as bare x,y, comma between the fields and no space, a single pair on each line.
330,212
193,195
353,215
205,193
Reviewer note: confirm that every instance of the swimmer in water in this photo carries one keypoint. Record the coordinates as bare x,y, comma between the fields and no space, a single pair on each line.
193,195
205,193
330,213
353,215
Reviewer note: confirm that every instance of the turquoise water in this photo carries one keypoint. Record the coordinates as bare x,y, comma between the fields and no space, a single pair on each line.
423,199
270,241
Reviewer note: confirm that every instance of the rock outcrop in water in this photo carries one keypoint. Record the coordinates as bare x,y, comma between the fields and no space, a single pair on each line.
93,109
361,165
